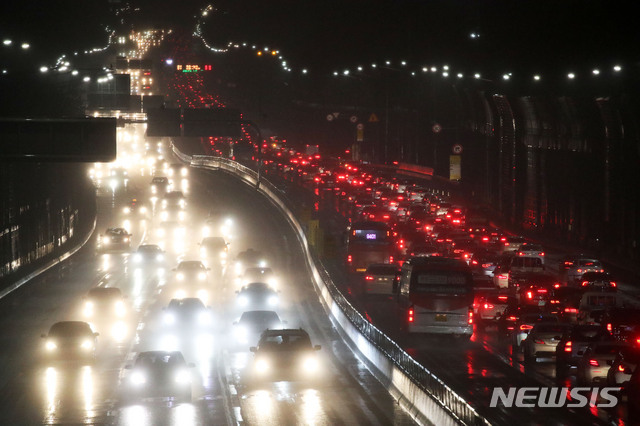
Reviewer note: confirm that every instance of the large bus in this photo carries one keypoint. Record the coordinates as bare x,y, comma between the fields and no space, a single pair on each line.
436,296
367,243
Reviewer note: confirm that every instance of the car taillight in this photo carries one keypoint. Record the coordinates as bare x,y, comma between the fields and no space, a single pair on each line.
503,277
557,285
390,259
475,262
369,277
485,239
542,254
488,306
542,290
503,298
609,328
571,310
585,283
539,342
568,346
470,316
594,362
410,315
486,265
613,284
526,327
621,368
349,258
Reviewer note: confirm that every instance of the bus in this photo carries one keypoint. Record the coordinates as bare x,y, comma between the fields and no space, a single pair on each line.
369,242
436,296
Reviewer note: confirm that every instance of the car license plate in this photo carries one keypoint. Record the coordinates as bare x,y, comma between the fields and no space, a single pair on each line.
441,318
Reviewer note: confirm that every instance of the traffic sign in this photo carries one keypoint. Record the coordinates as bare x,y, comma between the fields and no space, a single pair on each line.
353,119
360,126
373,118
457,149
437,128
330,117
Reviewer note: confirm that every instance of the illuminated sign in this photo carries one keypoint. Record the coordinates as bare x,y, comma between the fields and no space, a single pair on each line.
193,68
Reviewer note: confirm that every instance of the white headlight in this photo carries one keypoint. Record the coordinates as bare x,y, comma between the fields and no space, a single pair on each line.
120,310
137,378
127,210
50,345
272,300
86,345
137,257
204,318
169,318
310,364
243,301
202,276
262,365
159,258
180,276
183,376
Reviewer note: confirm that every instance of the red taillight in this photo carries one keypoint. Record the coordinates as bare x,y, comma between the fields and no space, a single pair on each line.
542,254
390,259
539,342
470,316
485,239
613,284
488,306
621,368
475,262
410,315
542,290
567,346
594,362
609,328
369,277
585,283
503,277
503,298
571,310
349,259
526,327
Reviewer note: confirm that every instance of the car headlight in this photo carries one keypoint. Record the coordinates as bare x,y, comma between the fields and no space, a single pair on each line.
180,276
120,310
243,300
154,189
183,376
205,231
223,255
272,300
137,257
161,232
127,210
238,268
126,239
202,276
51,345
262,264
169,318
105,240
86,345
138,379
182,203
143,210
310,364
164,215
159,258
262,365
183,172
182,215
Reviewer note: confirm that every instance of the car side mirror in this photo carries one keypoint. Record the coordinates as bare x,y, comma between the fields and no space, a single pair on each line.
317,347
191,365
253,349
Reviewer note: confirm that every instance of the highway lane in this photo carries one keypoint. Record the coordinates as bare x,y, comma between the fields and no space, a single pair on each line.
37,393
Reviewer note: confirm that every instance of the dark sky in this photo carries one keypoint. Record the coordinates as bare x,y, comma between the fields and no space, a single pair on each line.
513,33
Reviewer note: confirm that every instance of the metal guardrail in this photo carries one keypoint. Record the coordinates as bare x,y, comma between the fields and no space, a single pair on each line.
453,403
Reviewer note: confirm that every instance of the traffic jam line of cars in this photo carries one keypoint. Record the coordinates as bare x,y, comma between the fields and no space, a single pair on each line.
399,227
279,353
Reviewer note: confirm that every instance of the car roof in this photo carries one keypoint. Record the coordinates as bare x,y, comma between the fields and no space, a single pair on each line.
149,247
105,292
187,302
285,332
70,327
190,264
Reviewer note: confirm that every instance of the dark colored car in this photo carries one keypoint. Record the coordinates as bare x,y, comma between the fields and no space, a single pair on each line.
252,323
114,239
104,303
187,314
257,296
160,374
573,344
70,340
285,354
148,253
592,281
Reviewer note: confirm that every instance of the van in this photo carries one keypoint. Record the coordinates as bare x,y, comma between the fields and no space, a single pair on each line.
594,303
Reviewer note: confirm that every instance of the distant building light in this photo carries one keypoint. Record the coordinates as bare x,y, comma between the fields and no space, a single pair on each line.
304,71
403,63
359,68
7,42
44,69
74,72
434,69
596,72
445,74
425,69
169,61
536,77
25,46
571,75
345,72
388,62
446,67
373,65
617,68
506,76
476,75
460,75
86,79
335,73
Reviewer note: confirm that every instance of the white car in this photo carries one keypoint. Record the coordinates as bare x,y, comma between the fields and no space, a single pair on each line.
531,250
580,267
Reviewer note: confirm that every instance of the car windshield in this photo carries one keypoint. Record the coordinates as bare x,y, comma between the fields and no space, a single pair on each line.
190,265
160,360
105,293
259,317
149,249
285,341
69,329
190,303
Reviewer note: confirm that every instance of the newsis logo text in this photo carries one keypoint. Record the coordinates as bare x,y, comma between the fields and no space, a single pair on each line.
554,397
